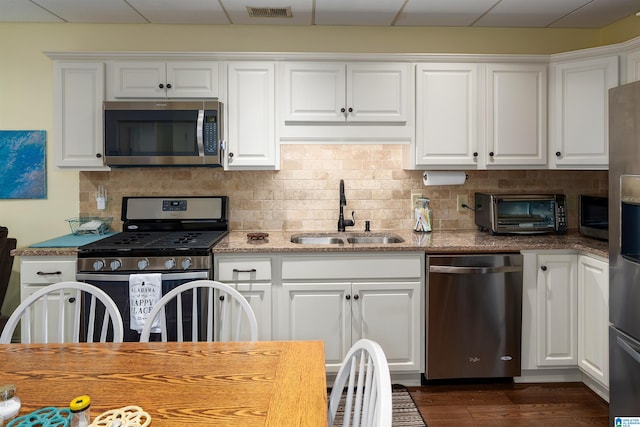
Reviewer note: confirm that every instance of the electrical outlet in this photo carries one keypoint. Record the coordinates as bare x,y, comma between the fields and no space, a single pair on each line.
462,199
414,199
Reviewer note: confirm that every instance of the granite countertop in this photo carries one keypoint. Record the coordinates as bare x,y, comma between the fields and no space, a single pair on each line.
464,241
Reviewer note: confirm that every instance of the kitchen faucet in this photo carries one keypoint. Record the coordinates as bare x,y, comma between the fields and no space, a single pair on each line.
342,223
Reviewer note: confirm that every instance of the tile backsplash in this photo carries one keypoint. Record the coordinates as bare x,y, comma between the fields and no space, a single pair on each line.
304,194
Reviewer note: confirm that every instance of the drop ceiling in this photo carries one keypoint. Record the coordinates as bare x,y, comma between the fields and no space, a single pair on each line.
444,13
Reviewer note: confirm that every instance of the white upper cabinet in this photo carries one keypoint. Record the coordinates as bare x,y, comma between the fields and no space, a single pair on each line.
579,130
251,140
158,79
78,124
479,116
337,92
633,66
446,115
516,116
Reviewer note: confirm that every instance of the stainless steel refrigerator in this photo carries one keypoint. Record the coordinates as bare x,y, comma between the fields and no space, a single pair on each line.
624,253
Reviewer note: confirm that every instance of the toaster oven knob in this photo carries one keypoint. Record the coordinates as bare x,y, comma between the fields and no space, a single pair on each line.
186,263
115,264
143,263
170,263
98,265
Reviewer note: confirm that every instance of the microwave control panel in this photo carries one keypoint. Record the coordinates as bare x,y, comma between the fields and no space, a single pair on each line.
210,134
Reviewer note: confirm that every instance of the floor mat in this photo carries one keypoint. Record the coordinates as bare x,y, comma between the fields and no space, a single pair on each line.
405,412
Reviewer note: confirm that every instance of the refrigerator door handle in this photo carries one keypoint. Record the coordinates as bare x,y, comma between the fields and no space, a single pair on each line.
629,349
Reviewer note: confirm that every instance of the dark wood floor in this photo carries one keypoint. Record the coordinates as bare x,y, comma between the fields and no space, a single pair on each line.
496,405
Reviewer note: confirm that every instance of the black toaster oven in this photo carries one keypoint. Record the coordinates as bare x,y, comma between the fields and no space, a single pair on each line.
521,213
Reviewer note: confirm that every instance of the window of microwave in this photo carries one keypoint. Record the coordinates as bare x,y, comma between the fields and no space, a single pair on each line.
595,214
151,133
526,213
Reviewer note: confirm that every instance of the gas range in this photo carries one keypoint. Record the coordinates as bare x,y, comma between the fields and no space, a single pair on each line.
160,234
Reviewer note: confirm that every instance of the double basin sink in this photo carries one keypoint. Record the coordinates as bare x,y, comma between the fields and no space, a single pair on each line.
346,238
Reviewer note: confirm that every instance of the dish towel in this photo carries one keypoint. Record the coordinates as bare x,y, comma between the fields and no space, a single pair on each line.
145,290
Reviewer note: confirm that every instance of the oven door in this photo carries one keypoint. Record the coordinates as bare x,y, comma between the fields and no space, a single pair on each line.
117,287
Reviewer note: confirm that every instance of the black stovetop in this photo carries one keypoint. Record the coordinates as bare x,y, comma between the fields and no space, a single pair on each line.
149,243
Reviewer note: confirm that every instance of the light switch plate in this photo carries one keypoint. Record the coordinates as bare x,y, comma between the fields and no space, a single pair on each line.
414,198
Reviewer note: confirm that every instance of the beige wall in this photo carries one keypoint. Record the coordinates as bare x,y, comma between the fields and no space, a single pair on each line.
26,103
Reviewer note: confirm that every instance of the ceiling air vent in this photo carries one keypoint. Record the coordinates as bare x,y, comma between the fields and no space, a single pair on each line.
269,12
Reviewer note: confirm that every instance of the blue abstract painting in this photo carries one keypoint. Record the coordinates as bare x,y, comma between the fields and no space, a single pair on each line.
23,172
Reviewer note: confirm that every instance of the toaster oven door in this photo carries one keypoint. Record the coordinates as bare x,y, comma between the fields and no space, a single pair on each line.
525,215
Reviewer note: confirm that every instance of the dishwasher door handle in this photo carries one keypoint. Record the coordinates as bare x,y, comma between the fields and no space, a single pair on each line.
474,270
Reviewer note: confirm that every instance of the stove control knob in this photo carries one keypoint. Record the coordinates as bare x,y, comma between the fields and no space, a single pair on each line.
115,264
143,263
170,263
186,263
98,265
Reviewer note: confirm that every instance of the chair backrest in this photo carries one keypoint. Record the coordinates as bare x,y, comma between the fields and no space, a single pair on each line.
368,391
222,312
66,312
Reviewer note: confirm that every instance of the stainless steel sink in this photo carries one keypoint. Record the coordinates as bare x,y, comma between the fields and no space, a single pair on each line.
377,239
317,240
346,238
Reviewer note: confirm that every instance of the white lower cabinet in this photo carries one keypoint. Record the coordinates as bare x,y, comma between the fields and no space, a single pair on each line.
565,319
251,276
593,318
557,326
37,272
340,299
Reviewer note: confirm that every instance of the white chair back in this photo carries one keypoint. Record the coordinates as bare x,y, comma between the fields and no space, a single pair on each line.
368,391
222,310
66,312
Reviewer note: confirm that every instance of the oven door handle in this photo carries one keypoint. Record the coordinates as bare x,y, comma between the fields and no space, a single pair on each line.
102,277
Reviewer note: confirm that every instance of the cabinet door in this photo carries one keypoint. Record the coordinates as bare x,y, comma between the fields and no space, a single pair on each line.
54,307
146,79
516,115
313,311
593,318
251,105
447,115
314,92
195,79
78,122
557,310
580,115
389,313
377,93
259,297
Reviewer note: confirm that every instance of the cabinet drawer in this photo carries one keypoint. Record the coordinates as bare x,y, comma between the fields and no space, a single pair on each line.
243,269
48,271
352,267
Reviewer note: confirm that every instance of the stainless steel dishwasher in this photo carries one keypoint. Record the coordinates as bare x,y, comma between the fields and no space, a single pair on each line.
474,318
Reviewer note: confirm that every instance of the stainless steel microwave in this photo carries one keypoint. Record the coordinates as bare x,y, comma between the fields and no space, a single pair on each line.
521,213
163,133
593,216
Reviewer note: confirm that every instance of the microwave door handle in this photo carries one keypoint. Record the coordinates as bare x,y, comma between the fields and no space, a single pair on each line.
200,132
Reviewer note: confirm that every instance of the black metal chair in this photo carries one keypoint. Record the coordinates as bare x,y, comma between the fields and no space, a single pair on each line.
6,264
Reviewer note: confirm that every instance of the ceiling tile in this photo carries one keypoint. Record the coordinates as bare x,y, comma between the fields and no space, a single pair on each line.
528,13
357,12
181,11
599,13
445,13
93,11
301,10
24,11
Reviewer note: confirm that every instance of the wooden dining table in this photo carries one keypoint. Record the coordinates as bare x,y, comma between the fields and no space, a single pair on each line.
263,383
